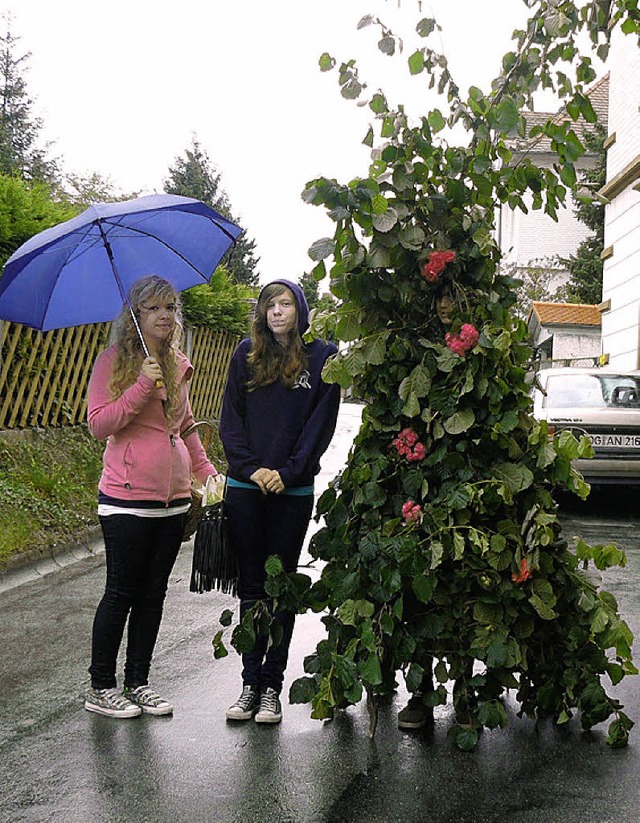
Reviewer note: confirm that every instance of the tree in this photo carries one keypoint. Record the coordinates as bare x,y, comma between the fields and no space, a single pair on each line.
221,303
25,210
19,128
441,539
539,280
194,176
585,266
86,189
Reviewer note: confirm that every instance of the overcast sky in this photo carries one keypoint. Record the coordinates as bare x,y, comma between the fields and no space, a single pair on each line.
122,86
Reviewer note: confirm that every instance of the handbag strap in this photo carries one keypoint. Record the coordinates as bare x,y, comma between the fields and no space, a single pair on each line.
207,428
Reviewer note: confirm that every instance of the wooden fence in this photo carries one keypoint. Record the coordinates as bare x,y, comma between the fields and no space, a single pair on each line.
44,376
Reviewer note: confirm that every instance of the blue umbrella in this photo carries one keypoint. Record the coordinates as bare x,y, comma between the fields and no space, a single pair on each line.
80,271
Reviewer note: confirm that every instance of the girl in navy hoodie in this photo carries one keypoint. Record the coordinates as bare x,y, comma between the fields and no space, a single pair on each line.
278,418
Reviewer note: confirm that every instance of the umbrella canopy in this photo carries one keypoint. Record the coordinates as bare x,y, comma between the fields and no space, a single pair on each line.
80,271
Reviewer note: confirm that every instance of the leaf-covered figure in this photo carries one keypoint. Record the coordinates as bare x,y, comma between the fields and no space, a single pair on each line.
443,559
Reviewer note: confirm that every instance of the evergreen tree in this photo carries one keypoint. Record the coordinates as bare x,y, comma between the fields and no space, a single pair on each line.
193,175
585,266
309,286
19,128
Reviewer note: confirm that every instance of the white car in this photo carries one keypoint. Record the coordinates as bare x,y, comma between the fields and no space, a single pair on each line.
601,403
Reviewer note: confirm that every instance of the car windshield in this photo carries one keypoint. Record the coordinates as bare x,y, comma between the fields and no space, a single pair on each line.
592,391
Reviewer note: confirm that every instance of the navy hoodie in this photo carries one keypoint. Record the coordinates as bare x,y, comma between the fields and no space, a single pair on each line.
276,427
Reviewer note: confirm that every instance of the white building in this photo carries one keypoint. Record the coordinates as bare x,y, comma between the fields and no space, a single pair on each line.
527,240
621,279
566,333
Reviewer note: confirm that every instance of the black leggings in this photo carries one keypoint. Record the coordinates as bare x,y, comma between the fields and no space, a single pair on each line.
261,525
141,552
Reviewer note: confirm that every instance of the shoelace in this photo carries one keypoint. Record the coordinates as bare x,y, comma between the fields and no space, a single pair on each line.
119,701
147,695
269,702
246,698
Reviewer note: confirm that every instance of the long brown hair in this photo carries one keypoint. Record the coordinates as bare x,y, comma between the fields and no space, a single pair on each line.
130,353
269,360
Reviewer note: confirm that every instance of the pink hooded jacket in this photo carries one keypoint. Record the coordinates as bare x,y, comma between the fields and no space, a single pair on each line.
145,458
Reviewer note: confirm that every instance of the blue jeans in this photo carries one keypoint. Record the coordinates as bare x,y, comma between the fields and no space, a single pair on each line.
261,525
141,552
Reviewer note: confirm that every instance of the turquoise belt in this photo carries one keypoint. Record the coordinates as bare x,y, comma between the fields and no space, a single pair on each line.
294,491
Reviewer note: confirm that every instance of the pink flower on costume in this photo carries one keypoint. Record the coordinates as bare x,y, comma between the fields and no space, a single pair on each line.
411,512
419,452
406,444
436,263
461,343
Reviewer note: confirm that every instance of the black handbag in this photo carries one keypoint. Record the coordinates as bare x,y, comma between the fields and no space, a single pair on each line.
214,562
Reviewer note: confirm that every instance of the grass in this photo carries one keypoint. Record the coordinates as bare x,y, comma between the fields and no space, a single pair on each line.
48,486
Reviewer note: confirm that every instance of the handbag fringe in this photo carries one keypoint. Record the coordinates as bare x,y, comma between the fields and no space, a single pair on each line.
214,563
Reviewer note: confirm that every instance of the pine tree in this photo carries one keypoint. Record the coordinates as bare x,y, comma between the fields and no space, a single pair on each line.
585,266
19,128
193,175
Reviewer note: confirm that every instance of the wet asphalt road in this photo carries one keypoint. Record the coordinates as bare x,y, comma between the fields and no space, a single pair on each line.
62,764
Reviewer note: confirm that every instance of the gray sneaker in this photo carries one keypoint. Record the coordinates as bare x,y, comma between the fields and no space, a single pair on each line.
111,703
148,701
270,708
245,706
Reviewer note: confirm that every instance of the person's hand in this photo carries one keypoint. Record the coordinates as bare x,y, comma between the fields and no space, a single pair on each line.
151,368
274,482
260,476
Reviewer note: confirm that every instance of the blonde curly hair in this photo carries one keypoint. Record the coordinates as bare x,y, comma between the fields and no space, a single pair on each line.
130,352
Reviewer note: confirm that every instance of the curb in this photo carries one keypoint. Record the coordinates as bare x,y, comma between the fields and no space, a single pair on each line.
34,564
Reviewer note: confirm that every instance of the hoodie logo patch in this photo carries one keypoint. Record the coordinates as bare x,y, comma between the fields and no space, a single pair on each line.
302,381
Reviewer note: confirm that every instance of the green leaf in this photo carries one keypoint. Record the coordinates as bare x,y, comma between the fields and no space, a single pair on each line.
219,649
335,371
411,406
412,238
379,204
414,677
506,115
303,690
465,739
322,249
416,62
436,120
378,104
226,618
418,383
385,222
326,62
273,565
515,476
348,327
370,670
374,349
545,611
460,421
423,587
425,26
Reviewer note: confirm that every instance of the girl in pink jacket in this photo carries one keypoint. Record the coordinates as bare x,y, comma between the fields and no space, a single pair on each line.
140,405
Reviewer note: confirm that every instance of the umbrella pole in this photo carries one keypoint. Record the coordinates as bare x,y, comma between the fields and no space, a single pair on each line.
125,299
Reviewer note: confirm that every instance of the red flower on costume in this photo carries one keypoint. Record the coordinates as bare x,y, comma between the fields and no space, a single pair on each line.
524,574
436,263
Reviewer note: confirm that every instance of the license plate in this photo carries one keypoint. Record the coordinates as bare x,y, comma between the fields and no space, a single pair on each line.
615,441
